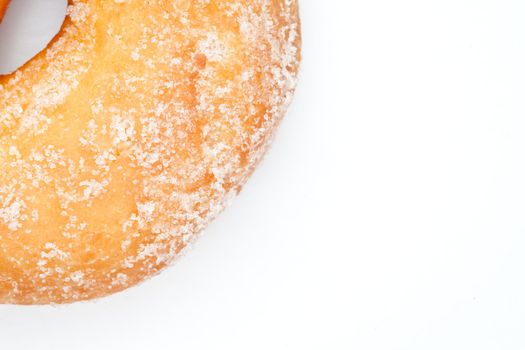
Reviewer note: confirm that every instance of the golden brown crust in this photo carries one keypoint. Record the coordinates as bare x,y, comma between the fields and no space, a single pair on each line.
130,132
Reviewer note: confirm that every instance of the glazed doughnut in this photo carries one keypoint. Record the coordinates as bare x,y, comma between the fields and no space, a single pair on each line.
129,133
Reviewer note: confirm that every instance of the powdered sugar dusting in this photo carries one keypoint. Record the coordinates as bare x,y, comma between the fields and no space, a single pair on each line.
122,140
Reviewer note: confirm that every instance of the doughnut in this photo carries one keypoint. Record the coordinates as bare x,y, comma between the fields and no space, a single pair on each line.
135,127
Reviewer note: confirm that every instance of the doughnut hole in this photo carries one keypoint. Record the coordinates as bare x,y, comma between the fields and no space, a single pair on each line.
28,27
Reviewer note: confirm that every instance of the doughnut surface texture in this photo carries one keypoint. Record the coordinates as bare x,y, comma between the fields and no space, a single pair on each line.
129,133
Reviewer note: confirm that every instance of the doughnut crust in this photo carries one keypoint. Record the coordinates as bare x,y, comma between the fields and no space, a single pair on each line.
129,133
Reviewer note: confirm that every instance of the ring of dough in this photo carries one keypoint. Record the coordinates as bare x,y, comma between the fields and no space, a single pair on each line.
131,131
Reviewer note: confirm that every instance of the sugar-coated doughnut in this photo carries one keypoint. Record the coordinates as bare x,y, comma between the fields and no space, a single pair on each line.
129,133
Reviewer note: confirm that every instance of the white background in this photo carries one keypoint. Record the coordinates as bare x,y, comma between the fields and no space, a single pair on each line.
388,215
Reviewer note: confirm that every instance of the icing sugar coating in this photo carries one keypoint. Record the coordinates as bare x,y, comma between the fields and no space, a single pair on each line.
129,133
